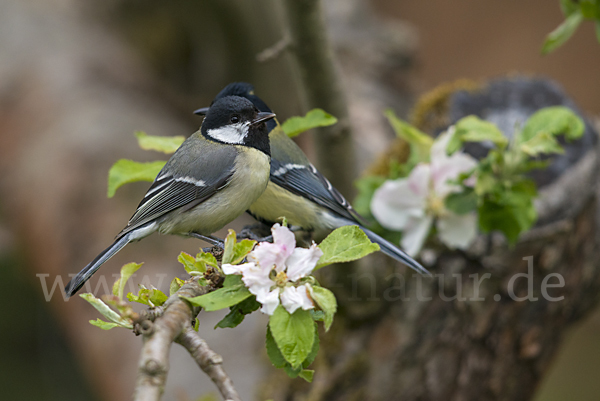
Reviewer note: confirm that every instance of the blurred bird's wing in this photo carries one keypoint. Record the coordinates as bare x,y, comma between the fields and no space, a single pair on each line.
306,181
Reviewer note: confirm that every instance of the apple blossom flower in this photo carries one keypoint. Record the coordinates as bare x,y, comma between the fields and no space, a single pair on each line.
413,204
273,272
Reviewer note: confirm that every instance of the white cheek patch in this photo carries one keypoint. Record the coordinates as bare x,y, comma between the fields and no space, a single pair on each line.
232,133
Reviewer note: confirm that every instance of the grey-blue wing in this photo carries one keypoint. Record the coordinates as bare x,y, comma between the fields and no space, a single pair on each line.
177,193
306,181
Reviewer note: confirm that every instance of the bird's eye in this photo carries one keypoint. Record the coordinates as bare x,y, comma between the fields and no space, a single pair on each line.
235,119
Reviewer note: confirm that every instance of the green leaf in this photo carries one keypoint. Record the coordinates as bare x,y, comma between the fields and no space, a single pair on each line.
204,259
307,375
158,297
241,250
103,325
486,183
238,312
315,118
366,188
279,361
230,242
148,296
317,315
326,301
126,272
125,171
293,334
462,202
233,280
345,244
562,33
420,143
175,285
221,298
554,120
588,8
314,351
198,263
512,213
273,352
542,143
474,129
568,7
164,144
188,261
454,144
105,311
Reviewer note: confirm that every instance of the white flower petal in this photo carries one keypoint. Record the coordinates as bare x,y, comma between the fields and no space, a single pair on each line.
419,180
236,269
302,262
269,301
257,279
293,298
305,290
458,231
284,238
394,203
438,149
415,233
266,255
449,169
269,255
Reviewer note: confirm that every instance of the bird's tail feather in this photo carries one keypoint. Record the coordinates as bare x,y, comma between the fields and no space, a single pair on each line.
84,275
394,252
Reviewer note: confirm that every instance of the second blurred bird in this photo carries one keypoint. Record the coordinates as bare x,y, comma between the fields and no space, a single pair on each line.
298,191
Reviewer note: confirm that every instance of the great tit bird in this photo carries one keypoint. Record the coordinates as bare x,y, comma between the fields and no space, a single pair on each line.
298,191
214,177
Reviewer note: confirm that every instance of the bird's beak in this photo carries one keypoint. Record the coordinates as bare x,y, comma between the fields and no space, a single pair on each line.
202,111
261,117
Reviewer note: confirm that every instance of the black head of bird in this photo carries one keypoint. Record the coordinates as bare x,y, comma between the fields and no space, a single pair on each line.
234,120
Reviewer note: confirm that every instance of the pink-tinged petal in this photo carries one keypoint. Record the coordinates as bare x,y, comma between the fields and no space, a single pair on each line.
394,202
269,255
293,298
419,180
438,149
458,231
302,262
265,254
236,269
471,181
269,301
284,237
415,233
449,169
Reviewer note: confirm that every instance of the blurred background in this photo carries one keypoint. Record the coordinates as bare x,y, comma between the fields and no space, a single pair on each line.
77,79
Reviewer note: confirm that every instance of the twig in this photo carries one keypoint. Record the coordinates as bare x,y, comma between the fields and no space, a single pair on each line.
158,337
209,361
272,52
321,83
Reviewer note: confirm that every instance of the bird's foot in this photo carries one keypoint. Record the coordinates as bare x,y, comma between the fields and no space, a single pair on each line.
214,241
257,232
